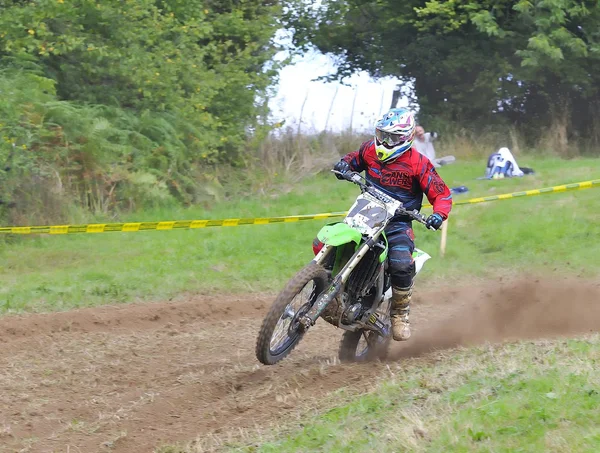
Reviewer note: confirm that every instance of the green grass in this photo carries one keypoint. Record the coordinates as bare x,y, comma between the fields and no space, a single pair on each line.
524,397
543,233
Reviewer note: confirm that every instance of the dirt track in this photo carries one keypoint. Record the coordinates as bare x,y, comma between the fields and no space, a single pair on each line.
130,378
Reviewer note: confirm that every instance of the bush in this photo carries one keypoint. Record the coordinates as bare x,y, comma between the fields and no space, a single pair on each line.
115,105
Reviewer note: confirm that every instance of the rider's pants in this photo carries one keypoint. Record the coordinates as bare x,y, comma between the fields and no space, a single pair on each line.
401,241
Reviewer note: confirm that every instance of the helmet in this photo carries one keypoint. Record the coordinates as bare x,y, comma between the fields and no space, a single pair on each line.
394,134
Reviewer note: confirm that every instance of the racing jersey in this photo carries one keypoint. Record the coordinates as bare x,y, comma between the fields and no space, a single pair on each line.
406,178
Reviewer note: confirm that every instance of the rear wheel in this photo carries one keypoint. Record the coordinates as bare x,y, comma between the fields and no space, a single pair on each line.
363,346
279,333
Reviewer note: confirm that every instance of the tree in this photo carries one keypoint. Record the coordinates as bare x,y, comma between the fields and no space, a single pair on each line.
531,63
121,102
202,60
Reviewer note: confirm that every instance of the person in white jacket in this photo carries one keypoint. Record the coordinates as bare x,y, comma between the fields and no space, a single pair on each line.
423,143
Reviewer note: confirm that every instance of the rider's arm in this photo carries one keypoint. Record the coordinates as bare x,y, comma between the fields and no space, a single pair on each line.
433,186
356,159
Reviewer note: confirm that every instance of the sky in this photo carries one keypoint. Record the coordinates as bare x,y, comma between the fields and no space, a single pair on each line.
329,106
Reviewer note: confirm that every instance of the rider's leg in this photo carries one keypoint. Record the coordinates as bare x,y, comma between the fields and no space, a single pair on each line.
402,271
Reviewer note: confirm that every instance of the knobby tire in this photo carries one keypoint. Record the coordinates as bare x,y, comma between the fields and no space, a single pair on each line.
312,272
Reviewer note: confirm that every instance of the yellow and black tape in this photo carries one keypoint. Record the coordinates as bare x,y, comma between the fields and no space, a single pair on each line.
132,227
533,192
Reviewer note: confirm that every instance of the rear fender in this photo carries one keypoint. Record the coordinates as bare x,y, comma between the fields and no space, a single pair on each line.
419,257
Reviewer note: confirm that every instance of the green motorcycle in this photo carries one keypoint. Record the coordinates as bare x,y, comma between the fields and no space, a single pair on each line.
347,283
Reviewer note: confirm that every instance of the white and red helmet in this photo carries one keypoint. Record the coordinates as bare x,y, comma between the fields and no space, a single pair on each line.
394,134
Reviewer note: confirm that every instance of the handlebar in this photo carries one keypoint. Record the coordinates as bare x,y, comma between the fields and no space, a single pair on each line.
366,186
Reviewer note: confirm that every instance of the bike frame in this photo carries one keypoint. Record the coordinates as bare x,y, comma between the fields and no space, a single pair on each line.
345,235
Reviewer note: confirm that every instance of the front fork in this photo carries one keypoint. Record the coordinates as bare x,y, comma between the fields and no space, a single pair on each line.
310,318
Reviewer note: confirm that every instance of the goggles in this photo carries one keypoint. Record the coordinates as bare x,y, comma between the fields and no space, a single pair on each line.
390,138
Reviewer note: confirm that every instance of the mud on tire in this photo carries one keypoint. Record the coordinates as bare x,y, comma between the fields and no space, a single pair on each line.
311,273
350,347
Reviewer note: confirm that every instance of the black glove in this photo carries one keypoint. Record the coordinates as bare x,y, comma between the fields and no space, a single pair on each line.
342,166
434,221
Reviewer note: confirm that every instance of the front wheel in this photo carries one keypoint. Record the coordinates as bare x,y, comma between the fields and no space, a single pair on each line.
363,346
279,333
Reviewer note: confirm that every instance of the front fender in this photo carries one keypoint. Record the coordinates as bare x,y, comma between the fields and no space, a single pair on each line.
338,234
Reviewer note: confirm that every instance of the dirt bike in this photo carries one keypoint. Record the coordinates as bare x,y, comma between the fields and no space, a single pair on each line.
347,283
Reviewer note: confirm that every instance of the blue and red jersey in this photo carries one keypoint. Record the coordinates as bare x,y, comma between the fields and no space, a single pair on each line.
406,178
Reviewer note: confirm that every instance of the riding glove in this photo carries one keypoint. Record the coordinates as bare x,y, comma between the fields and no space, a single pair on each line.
434,221
342,166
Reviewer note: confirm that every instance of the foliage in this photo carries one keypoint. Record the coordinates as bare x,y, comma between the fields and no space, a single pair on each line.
530,63
115,99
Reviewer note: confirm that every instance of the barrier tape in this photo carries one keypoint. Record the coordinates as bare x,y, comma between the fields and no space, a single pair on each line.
529,193
132,227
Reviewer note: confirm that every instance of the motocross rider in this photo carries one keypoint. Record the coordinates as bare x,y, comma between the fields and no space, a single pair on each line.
395,167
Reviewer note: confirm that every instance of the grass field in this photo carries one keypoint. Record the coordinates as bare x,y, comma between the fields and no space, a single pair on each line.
524,397
547,233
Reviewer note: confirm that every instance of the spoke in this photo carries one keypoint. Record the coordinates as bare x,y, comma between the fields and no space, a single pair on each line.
281,335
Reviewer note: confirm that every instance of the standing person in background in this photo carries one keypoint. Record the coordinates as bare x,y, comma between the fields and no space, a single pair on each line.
424,143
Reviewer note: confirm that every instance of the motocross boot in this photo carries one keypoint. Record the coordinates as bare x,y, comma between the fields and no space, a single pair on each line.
399,311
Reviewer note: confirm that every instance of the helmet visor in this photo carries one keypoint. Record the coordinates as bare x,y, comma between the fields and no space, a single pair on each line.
390,138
